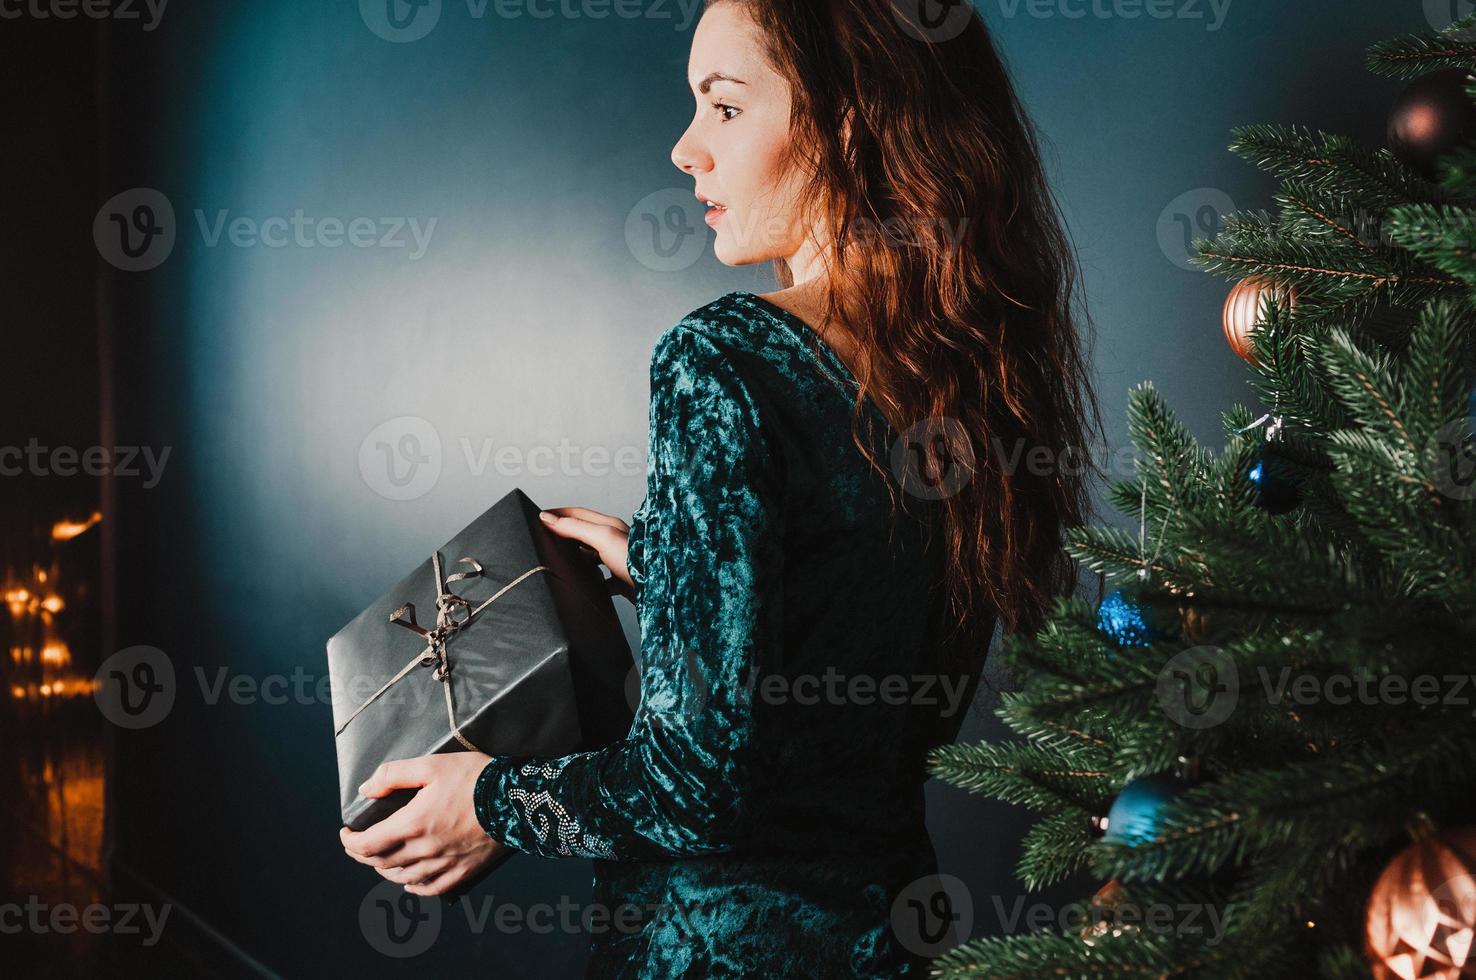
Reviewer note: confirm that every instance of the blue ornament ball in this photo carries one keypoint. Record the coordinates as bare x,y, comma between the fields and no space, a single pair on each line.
1135,814
1276,492
1132,623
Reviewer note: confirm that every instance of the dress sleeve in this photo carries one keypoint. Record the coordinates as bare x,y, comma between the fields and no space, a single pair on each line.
706,560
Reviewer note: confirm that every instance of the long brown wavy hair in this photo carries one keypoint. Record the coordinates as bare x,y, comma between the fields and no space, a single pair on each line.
965,320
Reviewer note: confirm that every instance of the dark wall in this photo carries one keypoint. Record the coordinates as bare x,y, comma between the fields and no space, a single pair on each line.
539,147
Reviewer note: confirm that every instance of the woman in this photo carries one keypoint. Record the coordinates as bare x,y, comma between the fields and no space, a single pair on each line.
816,595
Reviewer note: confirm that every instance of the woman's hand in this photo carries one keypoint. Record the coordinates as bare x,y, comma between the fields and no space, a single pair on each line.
434,842
606,536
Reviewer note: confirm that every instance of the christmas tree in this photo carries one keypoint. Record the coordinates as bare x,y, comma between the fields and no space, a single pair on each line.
1262,743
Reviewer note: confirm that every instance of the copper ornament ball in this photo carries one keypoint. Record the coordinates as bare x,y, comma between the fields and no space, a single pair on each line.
1243,310
1421,915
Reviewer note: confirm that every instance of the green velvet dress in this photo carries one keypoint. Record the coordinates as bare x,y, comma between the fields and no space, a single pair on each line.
766,808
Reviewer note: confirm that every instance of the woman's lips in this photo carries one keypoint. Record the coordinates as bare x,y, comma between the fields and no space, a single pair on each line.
714,213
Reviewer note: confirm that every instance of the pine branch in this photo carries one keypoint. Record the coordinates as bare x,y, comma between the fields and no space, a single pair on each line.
1332,164
1444,236
1299,804
1021,958
1027,775
1415,54
1055,848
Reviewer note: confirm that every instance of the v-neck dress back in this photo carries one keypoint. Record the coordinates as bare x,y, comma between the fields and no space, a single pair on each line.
765,812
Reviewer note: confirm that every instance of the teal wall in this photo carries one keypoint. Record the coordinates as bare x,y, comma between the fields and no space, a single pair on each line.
534,145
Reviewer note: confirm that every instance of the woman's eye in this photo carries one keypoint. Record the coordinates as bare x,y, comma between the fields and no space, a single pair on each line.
719,106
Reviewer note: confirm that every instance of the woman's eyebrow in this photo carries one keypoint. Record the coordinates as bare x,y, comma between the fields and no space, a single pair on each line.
717,76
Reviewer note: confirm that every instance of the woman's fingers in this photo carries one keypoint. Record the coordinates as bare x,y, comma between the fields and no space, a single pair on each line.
438,884
417,871
607,539
608,536
592,516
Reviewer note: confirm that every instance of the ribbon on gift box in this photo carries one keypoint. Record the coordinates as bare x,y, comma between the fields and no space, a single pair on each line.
435,639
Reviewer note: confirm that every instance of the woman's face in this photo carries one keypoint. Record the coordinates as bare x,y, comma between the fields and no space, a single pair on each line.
736,148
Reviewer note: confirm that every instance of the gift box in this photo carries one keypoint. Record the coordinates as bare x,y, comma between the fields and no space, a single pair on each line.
504,640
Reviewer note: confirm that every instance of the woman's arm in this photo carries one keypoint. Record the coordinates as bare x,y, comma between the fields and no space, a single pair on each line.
705,561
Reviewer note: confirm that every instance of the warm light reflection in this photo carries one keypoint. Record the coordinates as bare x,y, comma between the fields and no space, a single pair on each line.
17,600
67,530
53,604
61,687
56,653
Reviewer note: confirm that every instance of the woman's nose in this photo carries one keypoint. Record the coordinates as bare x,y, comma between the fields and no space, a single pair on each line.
688,155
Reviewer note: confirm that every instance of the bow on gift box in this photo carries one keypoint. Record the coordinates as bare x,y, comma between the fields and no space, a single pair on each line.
435,639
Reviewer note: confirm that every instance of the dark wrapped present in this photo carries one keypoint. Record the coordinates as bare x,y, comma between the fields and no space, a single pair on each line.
505,641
